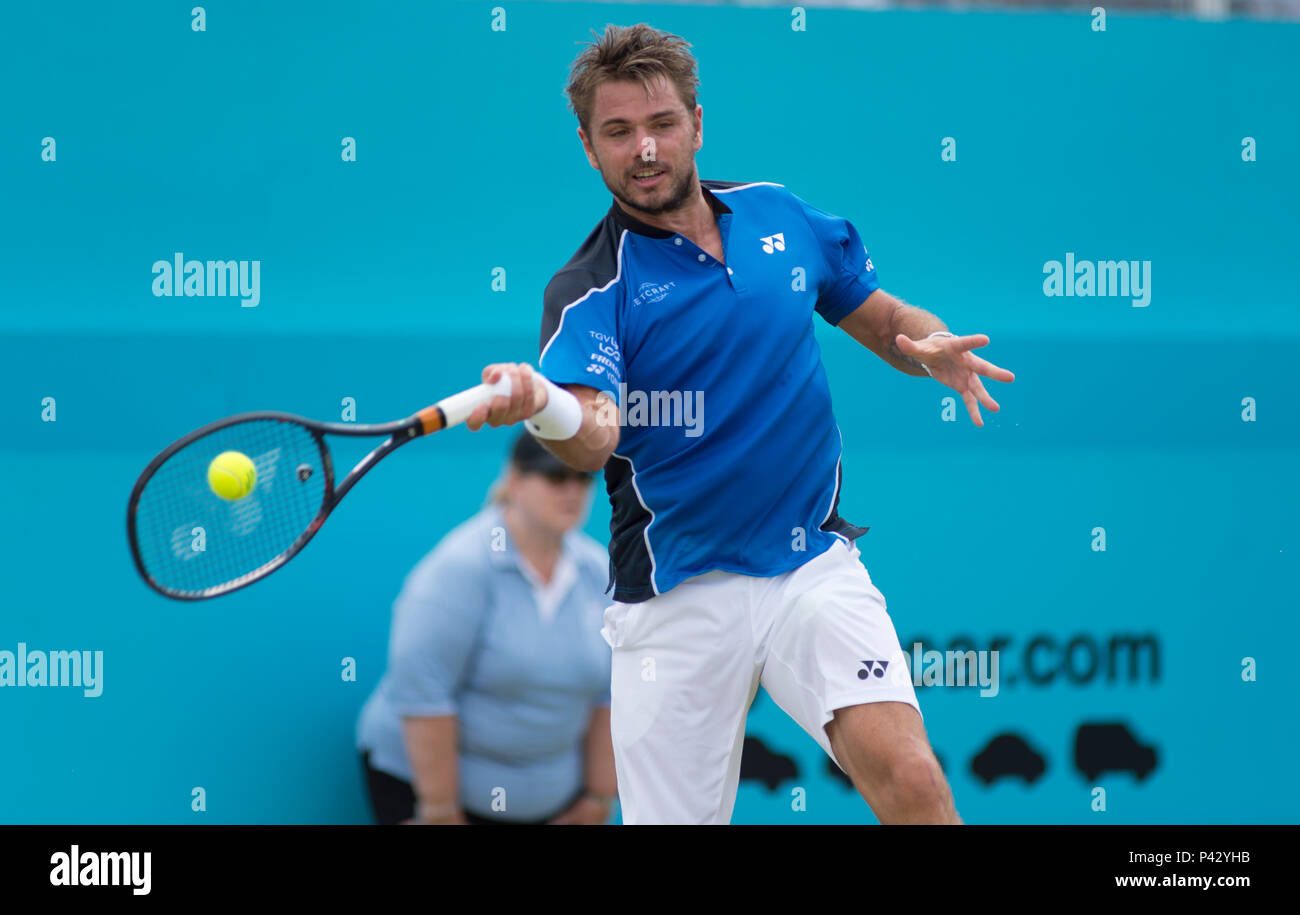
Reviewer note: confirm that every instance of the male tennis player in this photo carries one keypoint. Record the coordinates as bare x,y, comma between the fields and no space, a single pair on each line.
678,353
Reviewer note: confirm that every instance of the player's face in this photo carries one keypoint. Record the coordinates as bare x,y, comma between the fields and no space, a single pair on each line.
554,503
644,144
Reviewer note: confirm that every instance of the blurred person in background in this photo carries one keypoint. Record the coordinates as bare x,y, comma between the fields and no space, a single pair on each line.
495,704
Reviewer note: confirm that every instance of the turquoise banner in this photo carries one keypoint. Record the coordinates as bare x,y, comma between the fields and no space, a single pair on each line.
376,197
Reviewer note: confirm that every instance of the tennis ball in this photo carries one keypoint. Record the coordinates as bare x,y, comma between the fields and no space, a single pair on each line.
231,475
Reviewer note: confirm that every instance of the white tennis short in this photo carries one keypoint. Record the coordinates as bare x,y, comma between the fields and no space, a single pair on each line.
687,665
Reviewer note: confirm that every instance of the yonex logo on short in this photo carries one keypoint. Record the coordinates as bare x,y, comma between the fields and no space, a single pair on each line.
773,243
873,667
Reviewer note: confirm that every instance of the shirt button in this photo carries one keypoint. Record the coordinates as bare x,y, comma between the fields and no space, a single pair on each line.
730,271
677,240
701,258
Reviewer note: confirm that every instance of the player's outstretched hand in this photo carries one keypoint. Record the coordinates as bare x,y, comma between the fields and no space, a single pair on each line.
527,396
952,363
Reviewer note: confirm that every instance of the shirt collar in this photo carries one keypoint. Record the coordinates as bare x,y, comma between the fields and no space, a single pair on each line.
625,220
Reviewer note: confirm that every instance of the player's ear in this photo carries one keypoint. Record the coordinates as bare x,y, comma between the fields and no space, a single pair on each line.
699,126
586,147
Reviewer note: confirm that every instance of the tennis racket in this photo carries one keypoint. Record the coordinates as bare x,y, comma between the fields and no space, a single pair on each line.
188,543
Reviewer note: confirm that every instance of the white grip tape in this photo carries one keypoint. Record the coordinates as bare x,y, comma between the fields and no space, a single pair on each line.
458,407
560,419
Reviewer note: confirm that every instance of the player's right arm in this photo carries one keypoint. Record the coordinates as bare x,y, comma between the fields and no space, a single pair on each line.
597,437
581,356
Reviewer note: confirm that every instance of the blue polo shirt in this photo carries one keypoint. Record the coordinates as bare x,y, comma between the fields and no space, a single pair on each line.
729,455
475,635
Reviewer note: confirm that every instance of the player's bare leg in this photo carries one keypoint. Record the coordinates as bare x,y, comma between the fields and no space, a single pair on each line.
883,748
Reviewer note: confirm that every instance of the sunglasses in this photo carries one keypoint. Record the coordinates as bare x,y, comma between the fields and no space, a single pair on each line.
559,477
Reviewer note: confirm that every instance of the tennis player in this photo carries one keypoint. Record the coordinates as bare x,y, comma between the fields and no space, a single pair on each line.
678,353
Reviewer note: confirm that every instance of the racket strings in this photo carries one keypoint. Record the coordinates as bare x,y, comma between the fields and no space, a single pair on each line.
190,540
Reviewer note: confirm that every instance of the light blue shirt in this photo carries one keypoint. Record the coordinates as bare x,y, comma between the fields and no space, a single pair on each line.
475,635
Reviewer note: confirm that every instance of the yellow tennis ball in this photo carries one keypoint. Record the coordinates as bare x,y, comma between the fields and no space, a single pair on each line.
231,475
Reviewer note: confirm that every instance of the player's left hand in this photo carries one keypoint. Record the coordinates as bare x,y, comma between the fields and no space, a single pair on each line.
586,811
951,361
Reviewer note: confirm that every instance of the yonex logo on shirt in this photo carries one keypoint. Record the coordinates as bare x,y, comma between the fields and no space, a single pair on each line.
773,243
608,363
873,667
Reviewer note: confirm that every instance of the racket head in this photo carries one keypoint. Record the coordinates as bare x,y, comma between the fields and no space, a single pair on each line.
188,543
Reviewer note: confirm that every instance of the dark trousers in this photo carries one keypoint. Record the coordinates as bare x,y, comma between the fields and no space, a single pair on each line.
392,800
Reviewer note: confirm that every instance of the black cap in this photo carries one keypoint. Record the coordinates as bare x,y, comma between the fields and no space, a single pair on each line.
529,456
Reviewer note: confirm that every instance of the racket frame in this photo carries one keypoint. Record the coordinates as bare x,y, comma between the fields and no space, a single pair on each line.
430,419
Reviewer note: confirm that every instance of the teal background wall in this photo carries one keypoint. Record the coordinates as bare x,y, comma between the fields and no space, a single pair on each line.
376,284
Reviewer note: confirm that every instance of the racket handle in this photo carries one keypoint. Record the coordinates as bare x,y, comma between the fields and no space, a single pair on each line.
454,410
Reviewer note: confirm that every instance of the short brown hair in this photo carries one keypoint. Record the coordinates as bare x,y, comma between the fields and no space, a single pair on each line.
638,53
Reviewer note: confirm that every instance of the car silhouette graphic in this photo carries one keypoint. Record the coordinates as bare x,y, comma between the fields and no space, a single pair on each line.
1005,756
1110,747
758,763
